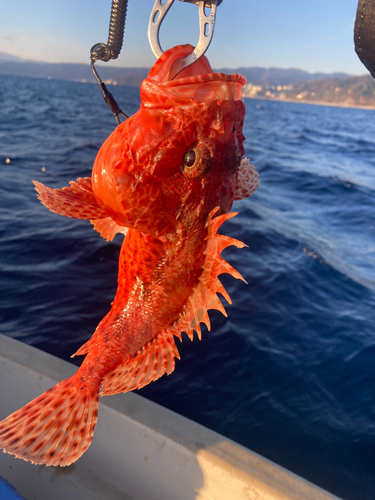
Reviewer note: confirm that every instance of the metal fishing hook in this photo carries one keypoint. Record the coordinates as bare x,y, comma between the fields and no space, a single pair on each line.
206,29
111,50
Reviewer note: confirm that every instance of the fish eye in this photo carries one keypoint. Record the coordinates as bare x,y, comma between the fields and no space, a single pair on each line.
196,161
191,159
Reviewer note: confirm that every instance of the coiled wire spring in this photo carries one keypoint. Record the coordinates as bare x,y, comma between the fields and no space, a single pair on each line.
111,50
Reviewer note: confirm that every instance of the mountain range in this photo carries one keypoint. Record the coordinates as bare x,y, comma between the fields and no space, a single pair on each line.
12,65
354,91
290,84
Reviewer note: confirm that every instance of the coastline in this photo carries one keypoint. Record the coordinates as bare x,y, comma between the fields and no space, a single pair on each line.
274,97
317,103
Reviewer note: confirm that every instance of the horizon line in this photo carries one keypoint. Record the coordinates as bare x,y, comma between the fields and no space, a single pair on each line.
103,64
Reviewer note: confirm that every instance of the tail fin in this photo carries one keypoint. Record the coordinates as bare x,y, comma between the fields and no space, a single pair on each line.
56,428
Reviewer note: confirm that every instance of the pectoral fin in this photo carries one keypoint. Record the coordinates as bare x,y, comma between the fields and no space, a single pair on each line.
247,180
77,201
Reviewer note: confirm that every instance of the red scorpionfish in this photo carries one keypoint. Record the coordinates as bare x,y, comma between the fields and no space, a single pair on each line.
166,178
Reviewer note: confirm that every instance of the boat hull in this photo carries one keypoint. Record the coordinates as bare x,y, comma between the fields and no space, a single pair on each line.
140,450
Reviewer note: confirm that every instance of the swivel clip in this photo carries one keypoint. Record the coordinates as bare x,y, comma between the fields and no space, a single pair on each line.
206,29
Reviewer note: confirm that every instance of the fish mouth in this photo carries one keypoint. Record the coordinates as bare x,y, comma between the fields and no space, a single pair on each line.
197,82
168,64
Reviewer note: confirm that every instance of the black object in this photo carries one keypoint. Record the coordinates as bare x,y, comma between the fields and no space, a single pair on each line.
112,103
364,34
108,97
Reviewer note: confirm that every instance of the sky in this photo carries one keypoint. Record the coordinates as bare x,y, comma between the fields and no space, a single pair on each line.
313,35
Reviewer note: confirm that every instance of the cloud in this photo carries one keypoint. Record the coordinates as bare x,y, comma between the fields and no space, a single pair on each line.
8,38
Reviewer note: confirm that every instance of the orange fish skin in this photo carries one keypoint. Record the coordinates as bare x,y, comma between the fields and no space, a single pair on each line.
145,190
166,178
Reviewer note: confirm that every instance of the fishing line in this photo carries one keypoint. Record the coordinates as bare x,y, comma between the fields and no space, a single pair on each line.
111,50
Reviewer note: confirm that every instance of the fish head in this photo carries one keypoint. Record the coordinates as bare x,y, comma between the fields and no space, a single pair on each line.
166,167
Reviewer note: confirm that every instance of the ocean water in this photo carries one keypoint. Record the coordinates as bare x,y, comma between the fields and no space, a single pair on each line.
290,372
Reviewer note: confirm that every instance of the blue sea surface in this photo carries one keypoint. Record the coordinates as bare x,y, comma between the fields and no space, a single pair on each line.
290,372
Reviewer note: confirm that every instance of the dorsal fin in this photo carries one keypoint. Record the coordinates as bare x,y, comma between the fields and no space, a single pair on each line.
77,201
247,180
157,356
204,295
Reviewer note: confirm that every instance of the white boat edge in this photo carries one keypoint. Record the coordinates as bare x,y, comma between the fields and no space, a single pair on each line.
140,450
